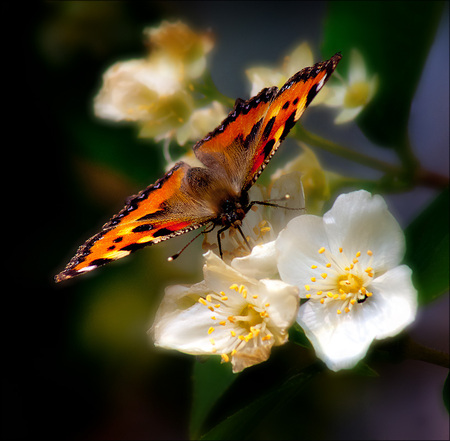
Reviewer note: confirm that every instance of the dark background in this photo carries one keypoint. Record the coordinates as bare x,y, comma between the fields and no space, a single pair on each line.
77,363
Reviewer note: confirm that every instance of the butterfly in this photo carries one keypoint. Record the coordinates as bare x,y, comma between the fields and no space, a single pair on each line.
215,195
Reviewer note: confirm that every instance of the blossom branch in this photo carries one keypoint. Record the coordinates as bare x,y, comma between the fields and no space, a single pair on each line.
420,176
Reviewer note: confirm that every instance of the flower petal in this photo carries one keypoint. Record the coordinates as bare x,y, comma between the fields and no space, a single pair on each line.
297,247
359,221
260,263
397,297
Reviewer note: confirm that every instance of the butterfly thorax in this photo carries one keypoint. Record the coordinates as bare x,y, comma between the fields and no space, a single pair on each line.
233,209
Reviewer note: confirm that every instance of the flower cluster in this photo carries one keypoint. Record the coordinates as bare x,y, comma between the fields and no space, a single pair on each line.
346,264
339,276
155,92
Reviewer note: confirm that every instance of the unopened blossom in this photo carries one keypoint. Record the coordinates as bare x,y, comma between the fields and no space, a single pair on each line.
179,42
229,314
354,93
299,58
347,264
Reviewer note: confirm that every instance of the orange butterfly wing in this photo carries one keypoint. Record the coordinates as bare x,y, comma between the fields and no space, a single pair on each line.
186,198
252,132
163,210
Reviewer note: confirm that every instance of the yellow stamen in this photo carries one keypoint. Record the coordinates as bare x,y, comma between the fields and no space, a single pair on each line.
328,265
225,358
234,286
339,311
307,287
223,323
202,301
313,266
266,337
208,298
340,250
224,298
358,254
308,296
212,341
233,333
370,253
321,250
324,275
210,330
313,279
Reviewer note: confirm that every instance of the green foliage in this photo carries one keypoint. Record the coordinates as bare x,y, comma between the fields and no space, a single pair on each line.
427,240
394,38
211,379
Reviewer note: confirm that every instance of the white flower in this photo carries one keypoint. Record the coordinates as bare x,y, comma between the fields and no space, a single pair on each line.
154,91
299,58
230,314
352,95
347,265
131,88
201,122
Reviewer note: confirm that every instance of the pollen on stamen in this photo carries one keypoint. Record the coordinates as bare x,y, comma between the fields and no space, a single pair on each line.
307,287
358,254
255,296
313,266
324,275
213,317
208,298
225,358
341,249
211,330
308,296
267,305
339,311
370,253
233,352
313,279
355,260
224,298
368,269
319,293
202,301
266,337
211,308
321,250
322,300
234,286
347,309
233,333
328,265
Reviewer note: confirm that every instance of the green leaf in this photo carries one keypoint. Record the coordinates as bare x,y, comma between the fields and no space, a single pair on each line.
211,379
427,239
445,394
297,336
275,404
394,39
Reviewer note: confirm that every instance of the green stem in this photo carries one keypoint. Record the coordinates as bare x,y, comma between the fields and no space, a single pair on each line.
418,176
404,348
338,149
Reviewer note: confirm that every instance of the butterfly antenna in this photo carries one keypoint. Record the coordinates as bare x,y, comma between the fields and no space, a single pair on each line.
176,255
269,203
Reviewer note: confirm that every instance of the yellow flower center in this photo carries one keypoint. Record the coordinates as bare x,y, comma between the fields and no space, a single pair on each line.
340,280
251,319
357,94
349,283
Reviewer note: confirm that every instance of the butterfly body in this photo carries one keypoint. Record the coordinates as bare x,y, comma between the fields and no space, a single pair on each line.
186,198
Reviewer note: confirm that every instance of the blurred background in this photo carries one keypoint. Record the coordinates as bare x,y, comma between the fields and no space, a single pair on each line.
78,362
